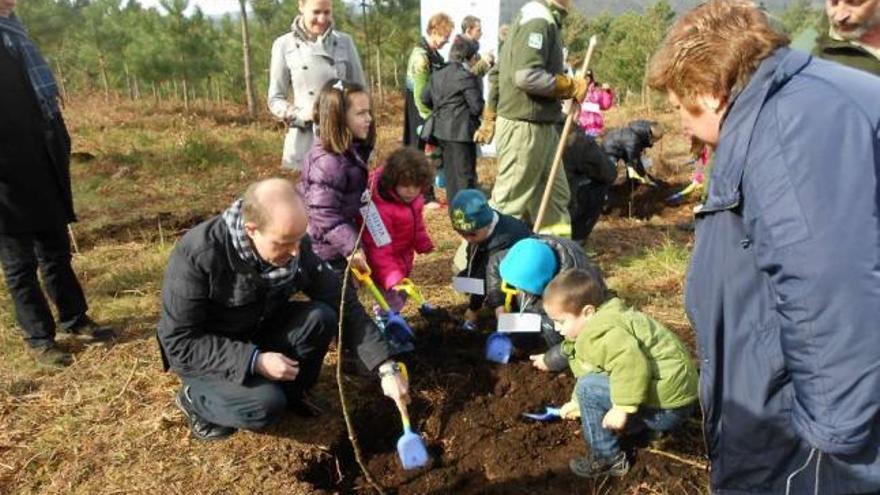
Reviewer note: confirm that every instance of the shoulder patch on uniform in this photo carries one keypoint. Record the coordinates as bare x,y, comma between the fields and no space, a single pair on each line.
536,40
535,10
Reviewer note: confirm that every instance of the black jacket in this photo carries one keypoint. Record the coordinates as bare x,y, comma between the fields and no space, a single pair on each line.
35,192
456,97
569,254
583,159
628,143
507,232
213,305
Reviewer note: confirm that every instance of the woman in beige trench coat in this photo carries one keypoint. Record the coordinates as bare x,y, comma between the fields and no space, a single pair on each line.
303,60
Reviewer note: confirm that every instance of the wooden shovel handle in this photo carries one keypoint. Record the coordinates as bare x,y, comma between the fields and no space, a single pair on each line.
545,200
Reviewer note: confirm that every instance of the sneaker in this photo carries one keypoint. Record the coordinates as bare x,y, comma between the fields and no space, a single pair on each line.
201,429
587,467
51,356
90,332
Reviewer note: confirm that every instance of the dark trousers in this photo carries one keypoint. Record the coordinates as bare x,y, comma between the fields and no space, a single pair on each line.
21,255
459,161
587,202
412,121
302,332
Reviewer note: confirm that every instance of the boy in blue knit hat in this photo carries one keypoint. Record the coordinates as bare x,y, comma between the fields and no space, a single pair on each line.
486,233
516,281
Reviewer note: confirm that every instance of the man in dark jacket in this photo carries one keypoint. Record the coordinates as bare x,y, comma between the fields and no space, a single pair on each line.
486,233
228,326
850,35
515,281
36,202
590,173
456,97
784,285
629,143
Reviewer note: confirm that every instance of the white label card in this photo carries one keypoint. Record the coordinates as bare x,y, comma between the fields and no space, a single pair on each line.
519,323
467,285
375,225
591,107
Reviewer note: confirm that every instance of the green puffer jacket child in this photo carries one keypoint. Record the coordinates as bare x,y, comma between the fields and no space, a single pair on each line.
646,363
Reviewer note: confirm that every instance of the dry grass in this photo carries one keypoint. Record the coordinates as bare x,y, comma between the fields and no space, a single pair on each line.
107,424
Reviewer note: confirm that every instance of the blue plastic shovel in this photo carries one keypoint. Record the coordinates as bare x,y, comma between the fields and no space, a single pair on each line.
549,414
410,446
395,327
498,347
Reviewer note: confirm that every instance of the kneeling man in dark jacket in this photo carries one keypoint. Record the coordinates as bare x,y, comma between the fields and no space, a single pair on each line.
228,328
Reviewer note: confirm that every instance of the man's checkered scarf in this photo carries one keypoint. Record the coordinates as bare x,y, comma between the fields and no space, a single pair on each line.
15,38
273,275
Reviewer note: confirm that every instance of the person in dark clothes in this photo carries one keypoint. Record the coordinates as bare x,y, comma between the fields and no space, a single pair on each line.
456,97
229,329
36,202
629,143
487,233
590,173
515,282
424,60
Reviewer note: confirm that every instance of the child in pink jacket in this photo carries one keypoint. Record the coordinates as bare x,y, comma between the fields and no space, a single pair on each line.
599,99
397,191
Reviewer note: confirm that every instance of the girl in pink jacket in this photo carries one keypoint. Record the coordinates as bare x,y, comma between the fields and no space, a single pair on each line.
599,99
397,192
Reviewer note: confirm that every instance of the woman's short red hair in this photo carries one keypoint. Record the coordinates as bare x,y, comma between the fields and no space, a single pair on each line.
713,50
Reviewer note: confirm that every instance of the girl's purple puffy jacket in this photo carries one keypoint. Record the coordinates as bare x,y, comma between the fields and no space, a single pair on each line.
332,185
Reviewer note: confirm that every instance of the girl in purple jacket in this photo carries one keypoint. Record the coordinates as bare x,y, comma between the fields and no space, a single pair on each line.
334,175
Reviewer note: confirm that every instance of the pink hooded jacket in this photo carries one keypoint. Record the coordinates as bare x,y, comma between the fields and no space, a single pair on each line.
393,262
593,123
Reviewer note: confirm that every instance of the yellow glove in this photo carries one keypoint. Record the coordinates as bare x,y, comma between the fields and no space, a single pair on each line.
486,132
570,410
570,87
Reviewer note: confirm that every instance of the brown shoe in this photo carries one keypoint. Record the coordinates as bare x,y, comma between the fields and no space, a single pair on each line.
51,356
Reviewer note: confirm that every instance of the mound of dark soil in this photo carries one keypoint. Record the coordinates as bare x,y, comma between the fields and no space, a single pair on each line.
469,413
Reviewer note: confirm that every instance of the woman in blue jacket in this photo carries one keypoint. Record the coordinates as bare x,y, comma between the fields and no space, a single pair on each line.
784,284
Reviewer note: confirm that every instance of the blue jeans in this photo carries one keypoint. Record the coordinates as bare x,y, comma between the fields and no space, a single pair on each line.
593,393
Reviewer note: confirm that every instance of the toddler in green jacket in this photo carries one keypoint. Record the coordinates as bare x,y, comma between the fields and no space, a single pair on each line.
632,373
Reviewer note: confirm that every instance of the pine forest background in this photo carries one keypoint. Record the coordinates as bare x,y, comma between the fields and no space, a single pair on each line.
121,49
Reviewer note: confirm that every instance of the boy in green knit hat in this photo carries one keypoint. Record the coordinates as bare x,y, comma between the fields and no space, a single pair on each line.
632,373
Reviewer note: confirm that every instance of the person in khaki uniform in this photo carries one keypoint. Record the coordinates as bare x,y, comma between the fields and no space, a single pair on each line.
851,34
530,83
303,60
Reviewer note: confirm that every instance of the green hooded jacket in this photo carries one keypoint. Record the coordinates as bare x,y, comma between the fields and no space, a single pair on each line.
646,363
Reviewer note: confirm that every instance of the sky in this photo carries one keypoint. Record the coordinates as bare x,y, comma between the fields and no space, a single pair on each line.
209,7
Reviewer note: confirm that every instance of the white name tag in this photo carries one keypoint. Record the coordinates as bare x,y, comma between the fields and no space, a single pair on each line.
591,107
467,285
519,323
375,225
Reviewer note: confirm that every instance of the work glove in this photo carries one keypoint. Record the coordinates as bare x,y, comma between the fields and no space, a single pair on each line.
486,132
570,87
570,410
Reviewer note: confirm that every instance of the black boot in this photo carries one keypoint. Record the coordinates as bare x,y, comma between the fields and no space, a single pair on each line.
201,429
